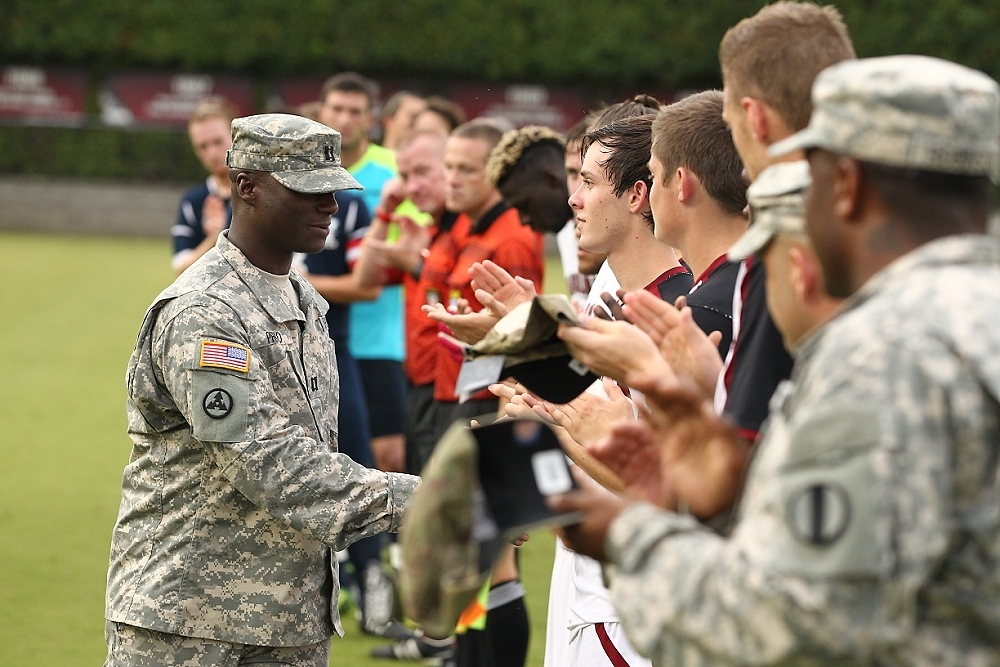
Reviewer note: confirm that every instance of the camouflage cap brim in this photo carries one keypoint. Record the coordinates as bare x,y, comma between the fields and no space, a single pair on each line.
801,140
755,238
317,181
912,112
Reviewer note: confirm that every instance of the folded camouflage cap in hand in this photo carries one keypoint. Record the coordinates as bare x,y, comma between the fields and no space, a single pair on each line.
441,572
905,111
301,154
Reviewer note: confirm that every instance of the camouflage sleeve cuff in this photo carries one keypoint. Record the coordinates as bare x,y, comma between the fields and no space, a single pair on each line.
638,529
401,489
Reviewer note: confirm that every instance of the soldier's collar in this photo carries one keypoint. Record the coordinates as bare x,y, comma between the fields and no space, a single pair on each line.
270,297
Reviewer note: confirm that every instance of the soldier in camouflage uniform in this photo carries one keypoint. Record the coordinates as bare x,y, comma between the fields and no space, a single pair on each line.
869,529
235,495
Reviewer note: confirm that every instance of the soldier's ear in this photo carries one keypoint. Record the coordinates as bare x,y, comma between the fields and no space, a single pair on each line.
847,193
246,186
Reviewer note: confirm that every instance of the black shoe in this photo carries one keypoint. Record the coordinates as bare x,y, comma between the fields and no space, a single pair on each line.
393,630
413,648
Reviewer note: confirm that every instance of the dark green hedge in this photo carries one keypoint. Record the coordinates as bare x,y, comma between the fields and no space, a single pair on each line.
669,43
98,153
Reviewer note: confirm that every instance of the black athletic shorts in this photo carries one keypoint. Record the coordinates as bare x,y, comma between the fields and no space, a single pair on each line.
385,392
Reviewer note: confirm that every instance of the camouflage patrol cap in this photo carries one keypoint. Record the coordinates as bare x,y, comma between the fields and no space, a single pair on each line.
776,207
905,111
301,154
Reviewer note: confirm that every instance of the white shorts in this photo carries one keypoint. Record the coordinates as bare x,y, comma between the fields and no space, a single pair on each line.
603,645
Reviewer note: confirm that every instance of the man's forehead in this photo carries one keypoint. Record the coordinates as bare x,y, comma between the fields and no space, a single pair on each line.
350,98
467,147
424,145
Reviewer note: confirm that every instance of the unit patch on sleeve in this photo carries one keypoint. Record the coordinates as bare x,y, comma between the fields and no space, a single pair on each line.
229,356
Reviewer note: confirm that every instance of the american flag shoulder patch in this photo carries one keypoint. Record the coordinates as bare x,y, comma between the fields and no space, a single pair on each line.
230,356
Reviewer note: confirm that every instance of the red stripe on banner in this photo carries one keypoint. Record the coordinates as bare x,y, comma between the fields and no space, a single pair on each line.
609,647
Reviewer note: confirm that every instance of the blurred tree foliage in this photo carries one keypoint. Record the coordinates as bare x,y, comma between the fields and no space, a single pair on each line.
593,43
666,44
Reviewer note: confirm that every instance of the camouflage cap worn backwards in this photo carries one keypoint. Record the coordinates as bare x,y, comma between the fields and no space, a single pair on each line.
905,111
301,154
776,207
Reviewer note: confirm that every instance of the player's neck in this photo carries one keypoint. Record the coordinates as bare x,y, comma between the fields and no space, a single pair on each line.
710,236
639,259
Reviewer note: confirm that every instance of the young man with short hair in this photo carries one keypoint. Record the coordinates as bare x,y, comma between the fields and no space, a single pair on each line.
612,207
205,210
697,197
769,62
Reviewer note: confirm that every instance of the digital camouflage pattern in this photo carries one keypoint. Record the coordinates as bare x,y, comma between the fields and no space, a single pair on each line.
869,529
776,207
905,111
234,493
301,154
127,644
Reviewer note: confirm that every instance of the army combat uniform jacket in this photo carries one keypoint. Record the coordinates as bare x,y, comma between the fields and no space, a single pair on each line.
234,493
869,531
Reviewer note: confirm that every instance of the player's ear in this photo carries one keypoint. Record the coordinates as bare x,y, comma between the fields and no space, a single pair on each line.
638,197
687,184
756,112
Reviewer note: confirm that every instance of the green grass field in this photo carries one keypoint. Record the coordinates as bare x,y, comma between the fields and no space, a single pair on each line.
70,308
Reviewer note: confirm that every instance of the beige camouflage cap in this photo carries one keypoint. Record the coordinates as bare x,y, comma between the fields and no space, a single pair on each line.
776,207
301,154
905,111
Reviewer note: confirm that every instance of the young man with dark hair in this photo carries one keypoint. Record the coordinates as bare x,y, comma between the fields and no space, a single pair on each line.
205,210
613,212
